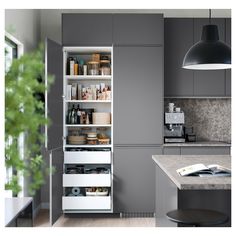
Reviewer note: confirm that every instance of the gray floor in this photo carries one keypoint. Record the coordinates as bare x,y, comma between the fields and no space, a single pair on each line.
42,220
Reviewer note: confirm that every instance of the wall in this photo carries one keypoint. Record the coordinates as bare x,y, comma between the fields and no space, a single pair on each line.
24,25
50,19
211,118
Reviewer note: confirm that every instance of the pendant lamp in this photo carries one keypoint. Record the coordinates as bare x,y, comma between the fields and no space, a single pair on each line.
209,53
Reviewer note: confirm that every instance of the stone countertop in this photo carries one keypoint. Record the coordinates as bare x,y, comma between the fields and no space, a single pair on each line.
170,163
198,144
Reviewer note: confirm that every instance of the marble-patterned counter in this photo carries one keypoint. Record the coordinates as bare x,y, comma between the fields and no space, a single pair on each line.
170,163
198,144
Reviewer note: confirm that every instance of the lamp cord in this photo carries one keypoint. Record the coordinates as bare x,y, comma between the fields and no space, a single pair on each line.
210,16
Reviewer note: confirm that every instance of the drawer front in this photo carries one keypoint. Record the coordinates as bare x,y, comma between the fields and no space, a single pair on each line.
205,150
86,180
87,157
86,203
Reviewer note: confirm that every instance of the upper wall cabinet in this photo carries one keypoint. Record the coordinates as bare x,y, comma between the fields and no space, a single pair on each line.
178,39
138,29
209,83
86,29
228,72
180,35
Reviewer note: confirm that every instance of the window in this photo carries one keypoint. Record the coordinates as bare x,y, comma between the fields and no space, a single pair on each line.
13,49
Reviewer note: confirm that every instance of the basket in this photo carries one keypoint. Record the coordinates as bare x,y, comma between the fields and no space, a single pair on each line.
81,139
101,118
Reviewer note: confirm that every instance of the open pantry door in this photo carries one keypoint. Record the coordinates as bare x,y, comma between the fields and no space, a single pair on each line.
54,131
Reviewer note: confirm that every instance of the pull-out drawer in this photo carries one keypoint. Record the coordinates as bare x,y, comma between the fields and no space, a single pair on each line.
86,180
87,157
86,203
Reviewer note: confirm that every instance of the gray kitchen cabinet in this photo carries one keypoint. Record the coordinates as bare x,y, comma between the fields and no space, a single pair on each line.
134,179
171,151
228,72
86,29
209,83
205,150
138,95
138,29
178,39
180,35
197,150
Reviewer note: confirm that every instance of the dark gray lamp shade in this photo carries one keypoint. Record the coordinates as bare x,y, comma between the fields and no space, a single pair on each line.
209,53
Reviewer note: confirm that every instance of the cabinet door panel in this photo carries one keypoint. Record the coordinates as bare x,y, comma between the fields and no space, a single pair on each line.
137,29
54,104
228,41
138,95
205,150
209,83
87,29
178,40
171,150
134,179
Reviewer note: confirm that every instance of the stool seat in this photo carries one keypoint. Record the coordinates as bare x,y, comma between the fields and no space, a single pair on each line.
197,217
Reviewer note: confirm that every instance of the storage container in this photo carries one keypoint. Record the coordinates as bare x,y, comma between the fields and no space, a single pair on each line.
79,140
101,118
104,141
105,67
93,68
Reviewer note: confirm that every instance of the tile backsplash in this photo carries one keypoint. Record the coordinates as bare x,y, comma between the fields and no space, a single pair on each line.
210,118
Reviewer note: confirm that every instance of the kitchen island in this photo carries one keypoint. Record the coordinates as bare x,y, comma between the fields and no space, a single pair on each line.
176,192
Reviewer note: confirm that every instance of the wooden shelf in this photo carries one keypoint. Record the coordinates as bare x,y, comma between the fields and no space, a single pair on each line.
89,101
88,77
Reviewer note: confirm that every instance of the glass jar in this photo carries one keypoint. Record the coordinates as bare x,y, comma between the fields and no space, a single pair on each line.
93,68
105,67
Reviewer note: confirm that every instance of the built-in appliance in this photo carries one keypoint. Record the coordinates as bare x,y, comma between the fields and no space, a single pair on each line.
174,127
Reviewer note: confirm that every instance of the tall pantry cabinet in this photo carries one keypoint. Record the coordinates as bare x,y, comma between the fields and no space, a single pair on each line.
134,43
138,110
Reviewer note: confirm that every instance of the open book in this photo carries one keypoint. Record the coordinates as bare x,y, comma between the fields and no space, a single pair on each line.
202,170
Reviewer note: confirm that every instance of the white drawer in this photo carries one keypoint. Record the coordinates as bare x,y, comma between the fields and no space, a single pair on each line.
87,157
86,180
86,203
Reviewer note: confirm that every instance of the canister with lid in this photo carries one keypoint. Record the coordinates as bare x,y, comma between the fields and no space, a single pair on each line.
93,68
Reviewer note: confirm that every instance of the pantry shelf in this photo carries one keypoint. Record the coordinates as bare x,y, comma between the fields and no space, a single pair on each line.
89,101
88,146
91,125
88,77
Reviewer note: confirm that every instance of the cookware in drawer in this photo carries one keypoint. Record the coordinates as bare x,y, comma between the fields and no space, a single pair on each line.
87,157
86,203
86,180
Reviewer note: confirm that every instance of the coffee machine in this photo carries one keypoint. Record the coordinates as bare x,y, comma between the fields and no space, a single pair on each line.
174,127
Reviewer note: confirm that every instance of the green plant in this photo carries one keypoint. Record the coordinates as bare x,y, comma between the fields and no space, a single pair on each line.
25,115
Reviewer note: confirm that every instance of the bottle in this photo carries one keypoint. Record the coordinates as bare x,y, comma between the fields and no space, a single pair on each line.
73,115
81,63
76,66
78,114
87,119
69,59
72,63
68,118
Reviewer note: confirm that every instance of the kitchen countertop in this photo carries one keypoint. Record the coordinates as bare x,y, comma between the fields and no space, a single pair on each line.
170,163
198,144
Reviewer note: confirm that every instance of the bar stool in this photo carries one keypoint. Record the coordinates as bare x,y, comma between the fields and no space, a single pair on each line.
197,217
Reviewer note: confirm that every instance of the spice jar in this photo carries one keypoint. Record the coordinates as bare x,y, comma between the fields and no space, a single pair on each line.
93,68
105,67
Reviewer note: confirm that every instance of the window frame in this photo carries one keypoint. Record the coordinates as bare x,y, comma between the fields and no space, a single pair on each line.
10,39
